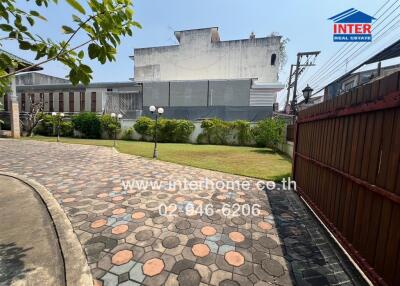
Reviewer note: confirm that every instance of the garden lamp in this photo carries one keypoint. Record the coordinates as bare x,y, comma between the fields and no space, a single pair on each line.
159,112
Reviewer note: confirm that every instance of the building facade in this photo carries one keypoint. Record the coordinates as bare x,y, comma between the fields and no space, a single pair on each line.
204,77
62,96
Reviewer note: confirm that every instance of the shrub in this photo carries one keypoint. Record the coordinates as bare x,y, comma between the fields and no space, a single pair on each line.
243,130
175,130
88,124
48,126
144,126
67,129
127,135
215,131
269,132
110,125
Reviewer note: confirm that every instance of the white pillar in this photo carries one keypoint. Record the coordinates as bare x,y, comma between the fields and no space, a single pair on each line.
14,109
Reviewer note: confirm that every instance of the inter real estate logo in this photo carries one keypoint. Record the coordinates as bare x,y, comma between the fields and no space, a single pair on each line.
352,26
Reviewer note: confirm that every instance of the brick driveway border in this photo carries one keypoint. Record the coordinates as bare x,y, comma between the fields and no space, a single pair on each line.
127,241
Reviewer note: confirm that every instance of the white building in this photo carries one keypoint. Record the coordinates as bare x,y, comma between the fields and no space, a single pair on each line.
203,76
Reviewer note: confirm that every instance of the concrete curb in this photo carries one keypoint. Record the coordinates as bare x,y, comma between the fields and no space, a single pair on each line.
77,271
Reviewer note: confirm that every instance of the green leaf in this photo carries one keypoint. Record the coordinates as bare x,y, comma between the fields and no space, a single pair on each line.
81,54
67,30
76,6
93,51
23,45
6,28
30,20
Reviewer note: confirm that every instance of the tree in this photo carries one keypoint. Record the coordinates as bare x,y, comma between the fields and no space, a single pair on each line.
104,25
34,115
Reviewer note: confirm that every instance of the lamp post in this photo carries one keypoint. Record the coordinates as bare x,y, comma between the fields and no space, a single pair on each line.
59,119
158,112
117,119
307,93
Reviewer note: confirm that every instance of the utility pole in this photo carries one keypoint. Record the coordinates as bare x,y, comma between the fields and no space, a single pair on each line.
289,85
297,73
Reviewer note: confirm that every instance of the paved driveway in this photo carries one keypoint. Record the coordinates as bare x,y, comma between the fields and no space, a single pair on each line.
128,242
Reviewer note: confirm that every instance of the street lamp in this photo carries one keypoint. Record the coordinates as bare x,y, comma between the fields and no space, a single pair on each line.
117,118
59,119
307,93
158,112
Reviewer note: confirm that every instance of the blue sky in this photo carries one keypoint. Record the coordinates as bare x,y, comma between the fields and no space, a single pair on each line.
304,22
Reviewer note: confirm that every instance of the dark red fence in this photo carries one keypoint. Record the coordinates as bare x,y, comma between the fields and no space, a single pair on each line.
290,133
346,166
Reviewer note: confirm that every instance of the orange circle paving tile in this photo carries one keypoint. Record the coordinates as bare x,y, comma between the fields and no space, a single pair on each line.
264,225
118,211
153,267
68,200
236,236
180,199
241,193
102,195
234,258
122,257
264,213
97,282
198,202
208,230
221,197
119,229
117,198
200,250
240,200
98,223
138,215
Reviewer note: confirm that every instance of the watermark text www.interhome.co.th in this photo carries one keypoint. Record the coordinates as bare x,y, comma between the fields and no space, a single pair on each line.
208,184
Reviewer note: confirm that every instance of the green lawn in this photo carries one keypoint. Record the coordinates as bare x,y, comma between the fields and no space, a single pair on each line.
254,162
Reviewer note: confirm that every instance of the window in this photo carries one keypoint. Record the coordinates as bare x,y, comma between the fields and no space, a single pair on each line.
71,102
5,102
41,97
23,102
61,102
273,59
51,107
93,102
82,101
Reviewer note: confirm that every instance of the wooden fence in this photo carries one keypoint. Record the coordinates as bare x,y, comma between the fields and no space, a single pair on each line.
346,166
290,132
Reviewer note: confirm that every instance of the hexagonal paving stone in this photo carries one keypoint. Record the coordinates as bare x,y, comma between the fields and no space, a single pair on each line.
273,267
144,235
153,267
122,257
170,242
183,224
234,258
200,250
189,277
267,242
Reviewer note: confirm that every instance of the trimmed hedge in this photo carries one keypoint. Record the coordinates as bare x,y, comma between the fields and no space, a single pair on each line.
88,124
169,130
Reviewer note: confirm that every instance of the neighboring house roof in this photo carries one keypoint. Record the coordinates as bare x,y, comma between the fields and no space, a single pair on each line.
392,51
352,16
22,63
